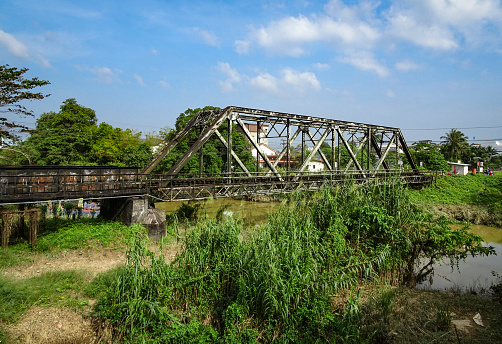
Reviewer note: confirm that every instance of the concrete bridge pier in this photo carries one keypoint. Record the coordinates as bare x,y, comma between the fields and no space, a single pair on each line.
135,210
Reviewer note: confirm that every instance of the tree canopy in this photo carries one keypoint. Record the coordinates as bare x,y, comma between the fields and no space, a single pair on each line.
430,156
14,88
72,136
454,144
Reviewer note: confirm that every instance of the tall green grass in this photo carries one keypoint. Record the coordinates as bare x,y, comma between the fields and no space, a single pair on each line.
279,284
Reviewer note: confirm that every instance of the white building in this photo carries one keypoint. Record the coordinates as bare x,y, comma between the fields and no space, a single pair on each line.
253,130
459,168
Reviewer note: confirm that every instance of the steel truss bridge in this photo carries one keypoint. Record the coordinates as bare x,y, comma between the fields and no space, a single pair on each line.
348,150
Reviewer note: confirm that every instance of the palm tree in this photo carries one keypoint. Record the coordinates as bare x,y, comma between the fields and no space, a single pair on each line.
454,143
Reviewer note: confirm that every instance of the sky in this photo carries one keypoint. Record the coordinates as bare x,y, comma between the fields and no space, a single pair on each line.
425,66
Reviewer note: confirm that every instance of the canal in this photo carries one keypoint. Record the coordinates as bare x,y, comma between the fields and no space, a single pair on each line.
474,274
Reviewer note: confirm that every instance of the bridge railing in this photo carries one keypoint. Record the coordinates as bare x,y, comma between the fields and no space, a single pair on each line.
215,186
37,183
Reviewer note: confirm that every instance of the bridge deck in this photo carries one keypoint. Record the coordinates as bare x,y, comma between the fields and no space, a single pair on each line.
41,183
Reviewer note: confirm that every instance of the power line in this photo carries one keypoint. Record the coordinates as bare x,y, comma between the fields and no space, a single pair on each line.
492,127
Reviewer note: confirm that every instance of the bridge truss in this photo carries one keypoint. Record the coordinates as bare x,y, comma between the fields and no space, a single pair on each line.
347,150
374,152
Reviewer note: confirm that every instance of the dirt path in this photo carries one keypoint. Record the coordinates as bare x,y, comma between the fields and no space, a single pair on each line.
63,325
93,261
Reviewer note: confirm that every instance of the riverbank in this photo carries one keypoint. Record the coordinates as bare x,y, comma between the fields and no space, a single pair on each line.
471,198
50,296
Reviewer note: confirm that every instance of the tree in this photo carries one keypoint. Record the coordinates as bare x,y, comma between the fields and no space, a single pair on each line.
64,137
137,156
14,89
72,137
430,155
454,143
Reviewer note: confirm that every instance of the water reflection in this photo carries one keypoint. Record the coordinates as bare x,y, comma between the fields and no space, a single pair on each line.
475,274
252,213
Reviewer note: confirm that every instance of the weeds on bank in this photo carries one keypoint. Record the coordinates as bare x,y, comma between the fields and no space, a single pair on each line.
281,283
469,189
81,235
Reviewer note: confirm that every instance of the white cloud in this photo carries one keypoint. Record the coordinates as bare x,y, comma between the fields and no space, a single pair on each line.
290,35
289,82
232,77
265,82
321,66
407,65
390,94
446,24
155,51
300,81
208,37
164,84
370,26
365,61
103,75
20,50
139,79
406,27
241,47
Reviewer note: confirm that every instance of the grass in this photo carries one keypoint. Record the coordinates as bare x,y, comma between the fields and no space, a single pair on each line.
471,198
279,284
82,235
311,274
10,257
49,288
475,189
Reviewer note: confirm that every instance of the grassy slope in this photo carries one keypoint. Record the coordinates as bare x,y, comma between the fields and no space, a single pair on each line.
473,198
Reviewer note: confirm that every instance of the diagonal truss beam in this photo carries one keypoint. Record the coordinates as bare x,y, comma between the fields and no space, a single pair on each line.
313,152
349,150
204,136
171,144
281,124
361,145
323,157
257,147
236,158
384,155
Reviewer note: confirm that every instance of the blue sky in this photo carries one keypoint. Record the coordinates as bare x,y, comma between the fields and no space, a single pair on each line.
424,66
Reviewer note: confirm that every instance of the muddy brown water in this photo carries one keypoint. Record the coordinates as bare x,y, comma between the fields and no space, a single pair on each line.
251,213
472,274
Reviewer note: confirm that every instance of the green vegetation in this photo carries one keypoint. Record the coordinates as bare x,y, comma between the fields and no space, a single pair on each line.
430,156
476,189
454,144
213,162
478,196
14,88
87,234
48,288
282,283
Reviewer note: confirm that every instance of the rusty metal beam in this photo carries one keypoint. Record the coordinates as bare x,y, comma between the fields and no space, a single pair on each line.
236,158
258,149
204,136
349,150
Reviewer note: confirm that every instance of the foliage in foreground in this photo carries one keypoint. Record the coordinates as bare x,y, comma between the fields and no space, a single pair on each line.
279,285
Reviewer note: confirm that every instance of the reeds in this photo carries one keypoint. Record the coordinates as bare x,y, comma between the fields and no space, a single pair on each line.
276,286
